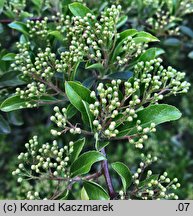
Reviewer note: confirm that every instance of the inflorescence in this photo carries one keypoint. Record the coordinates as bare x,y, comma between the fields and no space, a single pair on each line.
48,161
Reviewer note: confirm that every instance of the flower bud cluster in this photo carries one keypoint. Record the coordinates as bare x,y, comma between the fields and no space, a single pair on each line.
186,7
158,80
106,107
108,20
109,105
154,186
161,21
153,3
89,36
42,67
86,45
34,89
47,161
38,28
60,119
62,22
33,195
142,134
15,6
122,195
131,50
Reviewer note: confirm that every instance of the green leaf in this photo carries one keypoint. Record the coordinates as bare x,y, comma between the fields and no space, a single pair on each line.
150,54
89,82
2,2
19,26
83,194
172,5
16,103
76,94
144,37
101,144
57,35
11,79
190,54
172,42
38,3
23,39
78,9
89,114
66,2
71,111
15,118
187,31
98,66
94,191
77,148
122,20
157,114
123,36
124,173
83,164
65,195
4,126
9,57
148,180
120,75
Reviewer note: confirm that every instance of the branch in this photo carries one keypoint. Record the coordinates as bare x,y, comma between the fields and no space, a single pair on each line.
108,180
7,21
49,84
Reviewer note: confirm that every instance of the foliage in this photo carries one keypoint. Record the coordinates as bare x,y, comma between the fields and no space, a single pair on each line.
94,83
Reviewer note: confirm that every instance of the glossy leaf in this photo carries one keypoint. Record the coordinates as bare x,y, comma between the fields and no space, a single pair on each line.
16,103
88,83
11,79
122,20
144,37
172,42
15,118
9,57
57,35
77,148
76,91
94,191
38,3
76,94
123,36
78,9
124,173
89,114
65,195
190,55
2,2
186,30
71,111
157,114
19,26
101,144
4,126
150,54
83,164
83,194
148,180
98,66
120,75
